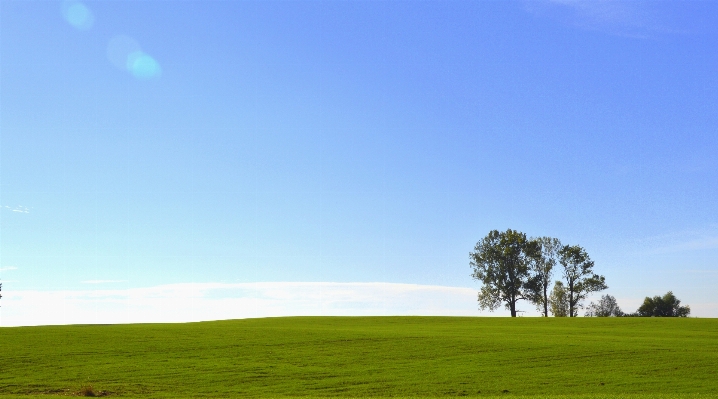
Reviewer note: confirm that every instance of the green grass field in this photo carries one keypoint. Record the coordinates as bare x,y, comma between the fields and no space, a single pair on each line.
368,357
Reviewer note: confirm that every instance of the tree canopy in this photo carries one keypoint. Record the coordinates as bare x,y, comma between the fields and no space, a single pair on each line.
512,267
558,301
666,306
607,306
579,276
545,255
501,262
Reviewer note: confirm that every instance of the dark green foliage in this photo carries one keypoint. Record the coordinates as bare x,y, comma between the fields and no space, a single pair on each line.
579,276
666,306
607,306
602,358
501,262
511,268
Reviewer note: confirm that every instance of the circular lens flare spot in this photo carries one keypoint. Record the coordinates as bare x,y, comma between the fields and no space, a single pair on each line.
143,66
78,15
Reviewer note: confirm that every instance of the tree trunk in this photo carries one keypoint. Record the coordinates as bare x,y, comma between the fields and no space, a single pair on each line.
570,300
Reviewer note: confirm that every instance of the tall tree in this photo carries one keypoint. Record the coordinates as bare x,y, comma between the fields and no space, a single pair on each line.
666,306
501,262
558,301
545,256
579,276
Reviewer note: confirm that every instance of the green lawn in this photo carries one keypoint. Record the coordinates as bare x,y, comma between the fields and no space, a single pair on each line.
369,357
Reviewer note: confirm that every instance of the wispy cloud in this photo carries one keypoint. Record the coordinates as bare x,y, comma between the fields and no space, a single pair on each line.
6,268
638,18
682,241
102,281
216,301
697,244
16,209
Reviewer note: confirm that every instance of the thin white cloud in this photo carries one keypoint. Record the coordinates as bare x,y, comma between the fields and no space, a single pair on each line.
4,269
682,241
217,301
702,243
639,19
102,281
17,209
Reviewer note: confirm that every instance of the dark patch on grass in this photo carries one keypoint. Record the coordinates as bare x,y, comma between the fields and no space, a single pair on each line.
89,391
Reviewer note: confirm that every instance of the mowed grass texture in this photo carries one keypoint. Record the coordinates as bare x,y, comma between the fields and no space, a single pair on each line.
368,357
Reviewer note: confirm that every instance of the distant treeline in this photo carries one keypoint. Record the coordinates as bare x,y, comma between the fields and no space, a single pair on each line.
658,306
512,267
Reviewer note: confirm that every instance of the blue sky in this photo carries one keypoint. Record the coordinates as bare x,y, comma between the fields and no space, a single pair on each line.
354,142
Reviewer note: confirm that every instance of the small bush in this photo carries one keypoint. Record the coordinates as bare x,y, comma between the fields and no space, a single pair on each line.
606,307
87,390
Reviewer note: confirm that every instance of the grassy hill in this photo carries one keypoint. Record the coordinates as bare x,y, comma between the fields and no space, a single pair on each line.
368,357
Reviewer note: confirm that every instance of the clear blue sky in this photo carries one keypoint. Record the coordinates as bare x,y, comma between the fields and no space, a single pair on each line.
355,141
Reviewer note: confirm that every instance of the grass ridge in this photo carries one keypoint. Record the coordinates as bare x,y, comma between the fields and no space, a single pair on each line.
368,357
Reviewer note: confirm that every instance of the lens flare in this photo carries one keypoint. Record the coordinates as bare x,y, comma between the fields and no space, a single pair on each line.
77,15
143,66
125,53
